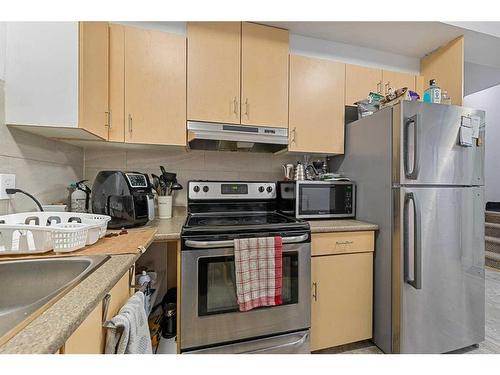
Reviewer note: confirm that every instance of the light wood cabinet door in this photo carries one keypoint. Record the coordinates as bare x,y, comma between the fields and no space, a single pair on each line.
316,122
420,86
116,83
93,77
155,87
90,336
341,299
214,71
87,338
446,66
360,81
397,80
264,76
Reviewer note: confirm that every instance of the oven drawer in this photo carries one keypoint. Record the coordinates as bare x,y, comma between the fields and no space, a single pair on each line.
291,343
342,242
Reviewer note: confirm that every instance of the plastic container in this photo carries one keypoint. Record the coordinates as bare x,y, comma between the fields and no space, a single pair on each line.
25,239
67,237
165,206
32,232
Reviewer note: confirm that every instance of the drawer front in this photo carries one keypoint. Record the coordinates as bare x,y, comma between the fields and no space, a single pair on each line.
342,242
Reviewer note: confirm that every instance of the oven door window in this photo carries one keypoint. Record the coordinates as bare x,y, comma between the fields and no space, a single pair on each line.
217,286
324,199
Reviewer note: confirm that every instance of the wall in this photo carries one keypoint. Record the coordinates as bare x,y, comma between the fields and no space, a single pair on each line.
42,167
488,101
192,165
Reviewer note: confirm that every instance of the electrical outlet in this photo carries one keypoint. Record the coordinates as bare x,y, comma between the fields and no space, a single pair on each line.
7,181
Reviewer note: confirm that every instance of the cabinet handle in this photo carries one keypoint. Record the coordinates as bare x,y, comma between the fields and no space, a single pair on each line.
343,242
105,307
246,107
129,123
110,119
106,115
235,106
294,131
379,87
315,291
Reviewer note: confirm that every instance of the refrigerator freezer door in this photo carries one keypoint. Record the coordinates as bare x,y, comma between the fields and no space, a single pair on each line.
441,298
428,139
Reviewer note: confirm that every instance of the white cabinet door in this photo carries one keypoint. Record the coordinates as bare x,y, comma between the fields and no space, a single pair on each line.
41,73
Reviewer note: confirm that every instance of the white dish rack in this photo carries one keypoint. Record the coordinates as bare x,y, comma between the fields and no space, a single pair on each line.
39,232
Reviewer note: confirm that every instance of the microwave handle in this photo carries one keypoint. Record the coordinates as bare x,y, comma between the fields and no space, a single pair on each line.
230,243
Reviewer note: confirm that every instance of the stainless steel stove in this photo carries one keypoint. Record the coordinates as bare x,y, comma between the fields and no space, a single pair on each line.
218,213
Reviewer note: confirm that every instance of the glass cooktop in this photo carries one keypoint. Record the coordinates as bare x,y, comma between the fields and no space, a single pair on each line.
223,220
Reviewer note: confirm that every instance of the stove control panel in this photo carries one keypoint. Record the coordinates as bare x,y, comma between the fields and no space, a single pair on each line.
226,190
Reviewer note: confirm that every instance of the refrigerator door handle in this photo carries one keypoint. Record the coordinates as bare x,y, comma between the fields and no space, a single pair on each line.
416,282
413,172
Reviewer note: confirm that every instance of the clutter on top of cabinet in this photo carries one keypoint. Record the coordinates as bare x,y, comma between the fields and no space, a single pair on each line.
395,96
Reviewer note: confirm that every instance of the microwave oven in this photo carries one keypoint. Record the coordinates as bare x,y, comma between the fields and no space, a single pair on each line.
317,199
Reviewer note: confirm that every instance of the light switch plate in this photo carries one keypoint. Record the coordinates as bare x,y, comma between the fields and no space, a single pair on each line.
7,181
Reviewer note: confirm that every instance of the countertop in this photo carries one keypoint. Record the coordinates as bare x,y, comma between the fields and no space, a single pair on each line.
49,331
170,229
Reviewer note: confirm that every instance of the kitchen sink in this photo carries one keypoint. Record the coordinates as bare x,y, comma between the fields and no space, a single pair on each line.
28,285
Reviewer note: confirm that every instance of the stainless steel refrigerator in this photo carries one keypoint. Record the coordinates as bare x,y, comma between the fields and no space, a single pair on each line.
419,172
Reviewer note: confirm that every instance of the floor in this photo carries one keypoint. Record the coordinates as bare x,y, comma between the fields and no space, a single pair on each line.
491,344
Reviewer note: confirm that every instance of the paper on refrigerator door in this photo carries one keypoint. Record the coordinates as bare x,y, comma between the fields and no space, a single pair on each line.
465,136
476,122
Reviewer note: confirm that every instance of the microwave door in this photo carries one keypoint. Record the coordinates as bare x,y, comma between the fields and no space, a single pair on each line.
324,200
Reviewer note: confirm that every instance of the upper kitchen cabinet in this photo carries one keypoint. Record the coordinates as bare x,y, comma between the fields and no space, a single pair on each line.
446,66
397,80
214,71
264,75
155,87
360,81
116,83
316,121
62,93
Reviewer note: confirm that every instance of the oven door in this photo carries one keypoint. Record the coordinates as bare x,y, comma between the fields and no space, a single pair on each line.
209,308
324,200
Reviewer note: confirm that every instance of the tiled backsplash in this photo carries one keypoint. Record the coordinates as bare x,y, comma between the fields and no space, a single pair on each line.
192,165
42,167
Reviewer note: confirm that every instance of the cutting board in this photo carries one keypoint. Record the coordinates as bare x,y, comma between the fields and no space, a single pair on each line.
135,241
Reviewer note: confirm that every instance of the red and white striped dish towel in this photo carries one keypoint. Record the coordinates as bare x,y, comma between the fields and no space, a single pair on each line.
258,268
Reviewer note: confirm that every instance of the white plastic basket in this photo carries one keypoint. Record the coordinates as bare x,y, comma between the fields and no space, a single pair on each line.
25,239
31,232
67,237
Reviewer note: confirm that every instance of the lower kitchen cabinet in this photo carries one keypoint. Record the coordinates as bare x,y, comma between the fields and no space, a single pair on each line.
90,336
342,289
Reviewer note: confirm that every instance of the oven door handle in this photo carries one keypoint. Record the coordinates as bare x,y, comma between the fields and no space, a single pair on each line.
230,243
281,346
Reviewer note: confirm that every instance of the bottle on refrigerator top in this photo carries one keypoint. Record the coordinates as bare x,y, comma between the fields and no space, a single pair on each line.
433,93
445,98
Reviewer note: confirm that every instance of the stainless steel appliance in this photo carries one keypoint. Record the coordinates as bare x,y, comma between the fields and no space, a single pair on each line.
317,199
218,136
424,188
219,212
125,196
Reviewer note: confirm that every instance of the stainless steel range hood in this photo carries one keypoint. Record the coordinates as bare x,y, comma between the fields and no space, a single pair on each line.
229,137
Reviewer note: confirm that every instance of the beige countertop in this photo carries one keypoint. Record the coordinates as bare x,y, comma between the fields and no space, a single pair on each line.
340,225
49,331
170,229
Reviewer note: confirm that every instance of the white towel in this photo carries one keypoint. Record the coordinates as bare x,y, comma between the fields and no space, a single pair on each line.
128,332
